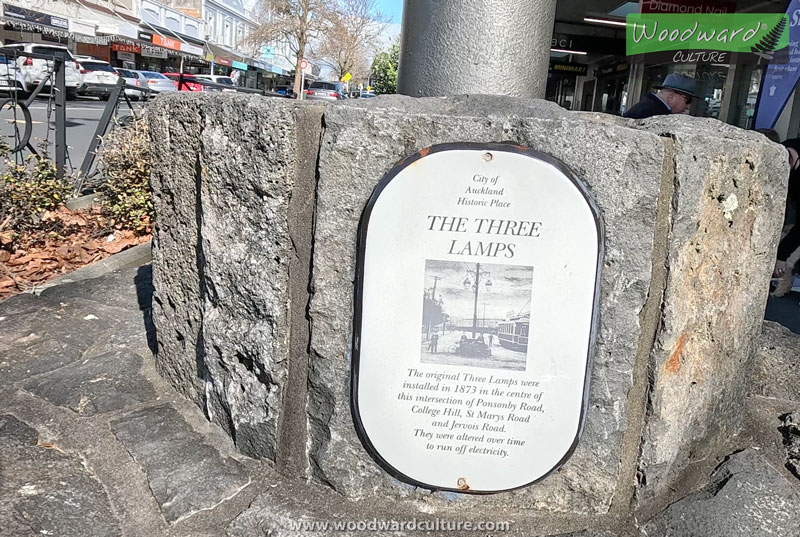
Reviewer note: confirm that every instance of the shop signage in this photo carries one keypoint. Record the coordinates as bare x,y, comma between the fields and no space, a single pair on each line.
578,69
166,42
191,49
781,76
240,65
153,52
687,6
36,17
475,317
146,36
126,56
612,69
586,43
223,61
122,47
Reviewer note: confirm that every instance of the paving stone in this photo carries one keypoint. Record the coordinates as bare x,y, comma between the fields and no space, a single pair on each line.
45,491
186,475
125,289
745,498
104,383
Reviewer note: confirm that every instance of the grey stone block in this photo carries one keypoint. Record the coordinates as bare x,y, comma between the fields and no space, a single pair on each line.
224,186
45,491
730,188
745,498
777,358
622,169
104,383
185,474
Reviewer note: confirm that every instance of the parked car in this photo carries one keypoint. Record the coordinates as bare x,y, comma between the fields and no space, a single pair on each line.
367,94
325,91
156,81
98,77
189,82
34,70
11,78
132,78
218,79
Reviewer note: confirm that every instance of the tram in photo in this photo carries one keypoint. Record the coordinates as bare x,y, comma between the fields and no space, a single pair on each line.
513,333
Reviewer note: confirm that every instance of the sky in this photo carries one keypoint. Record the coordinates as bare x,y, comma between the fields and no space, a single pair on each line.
392,9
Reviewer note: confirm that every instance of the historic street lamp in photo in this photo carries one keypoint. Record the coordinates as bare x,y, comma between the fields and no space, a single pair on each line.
476,287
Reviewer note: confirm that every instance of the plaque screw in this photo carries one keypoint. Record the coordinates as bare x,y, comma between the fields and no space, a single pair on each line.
462,482
488,157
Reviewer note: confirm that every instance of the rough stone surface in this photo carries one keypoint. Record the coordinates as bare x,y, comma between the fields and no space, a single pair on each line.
45,491
730,188
104,383
745,498
223,192
185,474
621,167
777,358
790,429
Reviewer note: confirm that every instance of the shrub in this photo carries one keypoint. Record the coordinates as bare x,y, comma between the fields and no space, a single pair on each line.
28,190
125,164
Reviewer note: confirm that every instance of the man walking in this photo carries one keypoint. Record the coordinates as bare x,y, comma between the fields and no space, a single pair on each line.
673,97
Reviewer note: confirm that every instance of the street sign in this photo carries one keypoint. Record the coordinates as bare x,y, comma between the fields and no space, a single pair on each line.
346,77
475,317
267,52
303,64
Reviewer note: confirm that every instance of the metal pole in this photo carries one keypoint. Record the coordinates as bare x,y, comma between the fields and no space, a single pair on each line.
302,85
456,47
475,309
61,114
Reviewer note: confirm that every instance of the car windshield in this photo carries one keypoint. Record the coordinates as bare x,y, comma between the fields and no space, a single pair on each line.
323,85
151,74
124,73
51,50
90,66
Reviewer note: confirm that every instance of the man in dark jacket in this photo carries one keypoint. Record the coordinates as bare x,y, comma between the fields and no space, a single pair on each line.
791,241
673,97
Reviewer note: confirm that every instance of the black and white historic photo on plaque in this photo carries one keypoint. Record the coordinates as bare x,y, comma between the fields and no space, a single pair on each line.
476,315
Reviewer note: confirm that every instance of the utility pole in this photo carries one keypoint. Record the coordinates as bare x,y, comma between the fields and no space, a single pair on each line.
477,288
458,47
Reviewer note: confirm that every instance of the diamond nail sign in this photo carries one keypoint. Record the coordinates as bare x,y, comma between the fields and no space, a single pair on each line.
475,317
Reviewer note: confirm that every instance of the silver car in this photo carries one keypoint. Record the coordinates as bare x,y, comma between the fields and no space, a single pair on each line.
325,91
132,78
156,81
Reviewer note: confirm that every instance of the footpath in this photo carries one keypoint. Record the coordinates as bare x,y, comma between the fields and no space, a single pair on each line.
93,443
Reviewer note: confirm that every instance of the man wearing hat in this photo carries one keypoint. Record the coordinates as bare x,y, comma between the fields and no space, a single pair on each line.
673,97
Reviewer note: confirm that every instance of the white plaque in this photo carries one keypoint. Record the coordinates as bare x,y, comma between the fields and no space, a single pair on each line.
476,306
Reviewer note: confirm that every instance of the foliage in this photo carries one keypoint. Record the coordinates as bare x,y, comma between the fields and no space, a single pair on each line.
29,189
353,32
384,69
296,22
125,163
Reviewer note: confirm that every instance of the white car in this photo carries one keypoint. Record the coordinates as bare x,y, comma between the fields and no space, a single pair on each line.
132,78
99,77
218,79
34,70
156,81
11,78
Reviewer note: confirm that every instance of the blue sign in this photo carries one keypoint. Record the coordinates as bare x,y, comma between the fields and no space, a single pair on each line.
267,52
239,65
782,75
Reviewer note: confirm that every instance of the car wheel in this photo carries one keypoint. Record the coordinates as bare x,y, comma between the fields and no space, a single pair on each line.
105,97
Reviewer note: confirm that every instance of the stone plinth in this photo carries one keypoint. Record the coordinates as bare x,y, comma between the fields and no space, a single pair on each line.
691,210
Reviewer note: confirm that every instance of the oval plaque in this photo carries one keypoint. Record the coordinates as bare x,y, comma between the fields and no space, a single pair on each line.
476,306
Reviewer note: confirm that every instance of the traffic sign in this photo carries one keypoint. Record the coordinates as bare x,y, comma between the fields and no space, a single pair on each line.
346,77
303,64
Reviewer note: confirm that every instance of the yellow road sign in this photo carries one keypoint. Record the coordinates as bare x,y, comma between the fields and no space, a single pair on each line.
346,77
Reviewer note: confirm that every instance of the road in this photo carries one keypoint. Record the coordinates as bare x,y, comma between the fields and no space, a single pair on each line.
501,358
83,116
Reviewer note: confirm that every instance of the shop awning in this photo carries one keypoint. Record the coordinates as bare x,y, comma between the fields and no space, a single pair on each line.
69,18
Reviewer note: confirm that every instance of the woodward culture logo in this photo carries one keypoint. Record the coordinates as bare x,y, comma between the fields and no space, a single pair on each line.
758,33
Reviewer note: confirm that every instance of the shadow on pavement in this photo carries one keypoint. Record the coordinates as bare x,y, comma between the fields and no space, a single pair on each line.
144,293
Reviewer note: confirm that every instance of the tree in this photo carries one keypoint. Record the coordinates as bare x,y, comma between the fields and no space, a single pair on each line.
298,22
384,69
354,29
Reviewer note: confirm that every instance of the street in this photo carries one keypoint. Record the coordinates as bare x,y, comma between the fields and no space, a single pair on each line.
501,357
83,115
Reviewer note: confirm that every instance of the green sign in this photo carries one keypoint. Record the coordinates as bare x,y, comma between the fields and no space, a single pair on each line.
759,33
239,65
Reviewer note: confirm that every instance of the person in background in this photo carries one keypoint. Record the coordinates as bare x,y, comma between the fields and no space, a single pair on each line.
791,241
673,97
